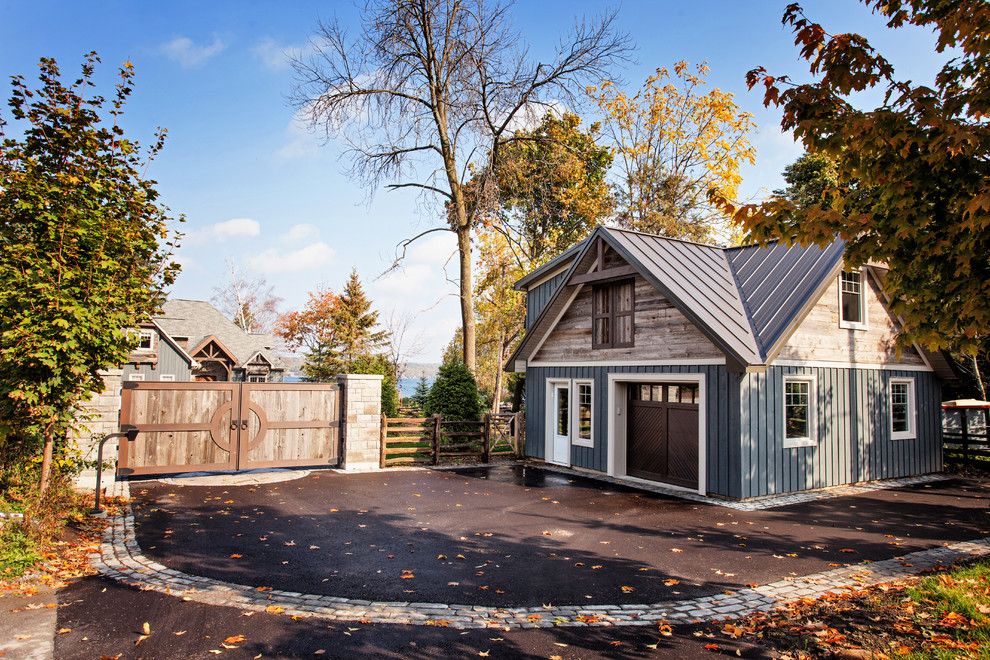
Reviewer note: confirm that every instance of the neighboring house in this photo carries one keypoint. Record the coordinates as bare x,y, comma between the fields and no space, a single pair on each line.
738,372
193,341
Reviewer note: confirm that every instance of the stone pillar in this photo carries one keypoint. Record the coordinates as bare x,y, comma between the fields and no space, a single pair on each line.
98,417
362,420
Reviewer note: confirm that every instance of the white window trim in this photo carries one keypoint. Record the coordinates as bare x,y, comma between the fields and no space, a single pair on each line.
912,416
864,306
136,378
167,378
151,334
812,439
576,440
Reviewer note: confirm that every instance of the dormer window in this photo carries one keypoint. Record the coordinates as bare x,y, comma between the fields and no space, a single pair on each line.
612,315
852,300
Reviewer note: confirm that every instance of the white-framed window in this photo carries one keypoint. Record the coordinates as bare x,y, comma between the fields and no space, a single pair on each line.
146,341
136,377
583,413
167,378
903,414
852,300
799,411
257,379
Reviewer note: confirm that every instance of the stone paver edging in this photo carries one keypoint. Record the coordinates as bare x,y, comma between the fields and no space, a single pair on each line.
121,558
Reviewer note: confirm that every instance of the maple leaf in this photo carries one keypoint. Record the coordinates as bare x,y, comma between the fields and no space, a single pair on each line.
670,582
234,639
274,609
626,589
407,575
235,556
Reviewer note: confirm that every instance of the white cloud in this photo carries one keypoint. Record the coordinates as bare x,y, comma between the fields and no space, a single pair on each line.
275,56
188,53
421,280
233,228
300,140
301,231
314,255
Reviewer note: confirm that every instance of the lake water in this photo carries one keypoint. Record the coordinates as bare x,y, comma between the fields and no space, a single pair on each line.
407,386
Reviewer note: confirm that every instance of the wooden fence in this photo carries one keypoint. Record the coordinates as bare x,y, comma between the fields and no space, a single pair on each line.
432,440
968,444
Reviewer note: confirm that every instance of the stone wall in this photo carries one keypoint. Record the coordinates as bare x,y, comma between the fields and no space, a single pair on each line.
362,421
98,417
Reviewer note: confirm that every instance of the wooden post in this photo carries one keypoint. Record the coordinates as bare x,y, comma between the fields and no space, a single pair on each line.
486,440
436,439
965,435
517,421
383,435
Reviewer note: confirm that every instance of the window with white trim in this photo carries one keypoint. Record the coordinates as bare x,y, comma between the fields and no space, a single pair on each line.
167,378
902,409
852,300
136,377
146,341
257,379
584,398
799,411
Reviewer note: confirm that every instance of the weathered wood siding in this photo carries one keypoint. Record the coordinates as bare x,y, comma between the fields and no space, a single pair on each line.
662,332
819,336
721,421
853,431
169,362
538,297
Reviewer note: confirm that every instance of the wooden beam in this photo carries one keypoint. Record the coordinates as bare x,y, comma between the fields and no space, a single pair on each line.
601,275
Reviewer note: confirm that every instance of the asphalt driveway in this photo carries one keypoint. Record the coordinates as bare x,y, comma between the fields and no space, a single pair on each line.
524,536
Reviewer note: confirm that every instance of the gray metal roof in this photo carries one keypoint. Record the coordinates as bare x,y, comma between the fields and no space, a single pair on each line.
745,298
198,319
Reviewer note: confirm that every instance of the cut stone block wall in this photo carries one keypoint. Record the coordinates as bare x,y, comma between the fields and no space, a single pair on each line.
362,420
98,417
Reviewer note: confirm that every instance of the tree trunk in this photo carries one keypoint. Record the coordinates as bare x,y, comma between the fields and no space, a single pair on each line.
979,378
46,462
466,295
497,396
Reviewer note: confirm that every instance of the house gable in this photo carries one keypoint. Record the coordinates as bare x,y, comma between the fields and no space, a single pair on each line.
820,338
662,332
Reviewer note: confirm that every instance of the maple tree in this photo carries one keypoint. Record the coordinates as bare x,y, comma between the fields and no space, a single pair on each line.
674,144
429,84
919,164
85,252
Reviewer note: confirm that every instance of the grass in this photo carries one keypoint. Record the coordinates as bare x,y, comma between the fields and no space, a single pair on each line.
17,551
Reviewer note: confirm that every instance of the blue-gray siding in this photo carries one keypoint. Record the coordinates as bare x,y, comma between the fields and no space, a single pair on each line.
538,297
745,453
853,420
721,422
169,362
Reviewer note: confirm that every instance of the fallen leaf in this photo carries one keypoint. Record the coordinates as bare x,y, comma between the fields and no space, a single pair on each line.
407,575
274,609
236,556
235,639
626,589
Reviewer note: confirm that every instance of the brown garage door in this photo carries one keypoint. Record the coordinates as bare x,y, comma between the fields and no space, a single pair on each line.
188,427
662,436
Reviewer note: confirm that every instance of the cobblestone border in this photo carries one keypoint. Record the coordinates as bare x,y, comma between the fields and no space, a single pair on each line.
756,504
121,559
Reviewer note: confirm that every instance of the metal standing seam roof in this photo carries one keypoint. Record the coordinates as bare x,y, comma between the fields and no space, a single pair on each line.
745,298
198,319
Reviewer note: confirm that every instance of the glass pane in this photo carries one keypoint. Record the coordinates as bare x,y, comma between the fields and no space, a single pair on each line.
673,393
796,408
623,297
584,411
623,329
656,393
603,302
899,407
852,297
562,411
603,333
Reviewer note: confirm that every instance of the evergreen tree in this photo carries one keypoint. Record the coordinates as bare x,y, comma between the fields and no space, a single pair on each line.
357,334
379,364
454,394
422,393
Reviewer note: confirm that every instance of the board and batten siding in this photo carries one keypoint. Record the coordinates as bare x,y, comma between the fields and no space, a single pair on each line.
721,418
661,332
853,431
169,362
538,296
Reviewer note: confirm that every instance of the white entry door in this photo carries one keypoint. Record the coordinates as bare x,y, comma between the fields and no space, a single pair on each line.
561,431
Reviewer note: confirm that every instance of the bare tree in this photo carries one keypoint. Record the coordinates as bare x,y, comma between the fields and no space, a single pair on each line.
430,87
402,344
250,303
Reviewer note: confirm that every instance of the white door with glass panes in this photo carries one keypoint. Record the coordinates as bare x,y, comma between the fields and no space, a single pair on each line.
561,424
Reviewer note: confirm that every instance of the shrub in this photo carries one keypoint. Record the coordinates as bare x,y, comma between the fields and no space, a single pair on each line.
454,394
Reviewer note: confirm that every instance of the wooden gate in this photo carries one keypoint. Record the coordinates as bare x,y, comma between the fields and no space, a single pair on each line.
191,427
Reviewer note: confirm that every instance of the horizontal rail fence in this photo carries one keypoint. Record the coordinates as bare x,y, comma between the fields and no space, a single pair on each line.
434,440
966,435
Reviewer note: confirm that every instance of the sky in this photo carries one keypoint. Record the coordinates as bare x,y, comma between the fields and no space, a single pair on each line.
258,187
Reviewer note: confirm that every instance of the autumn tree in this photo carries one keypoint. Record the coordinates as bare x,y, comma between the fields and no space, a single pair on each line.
429,85
85,252
675,142
924,154
250,302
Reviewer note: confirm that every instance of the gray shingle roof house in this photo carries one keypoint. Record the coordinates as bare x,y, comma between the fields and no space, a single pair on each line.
739,372
193,340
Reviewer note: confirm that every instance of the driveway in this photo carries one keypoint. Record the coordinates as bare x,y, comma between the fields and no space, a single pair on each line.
515,536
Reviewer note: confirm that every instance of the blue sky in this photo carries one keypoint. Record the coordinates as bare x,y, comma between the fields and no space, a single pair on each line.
257,187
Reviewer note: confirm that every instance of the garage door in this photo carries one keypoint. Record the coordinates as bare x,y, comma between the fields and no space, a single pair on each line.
662,437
